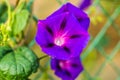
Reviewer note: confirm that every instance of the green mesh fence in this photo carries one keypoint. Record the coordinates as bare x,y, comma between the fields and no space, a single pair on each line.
98,39
96,49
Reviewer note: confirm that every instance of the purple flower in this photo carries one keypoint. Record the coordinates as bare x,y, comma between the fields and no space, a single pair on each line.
63,34
81,16
85,4
67,69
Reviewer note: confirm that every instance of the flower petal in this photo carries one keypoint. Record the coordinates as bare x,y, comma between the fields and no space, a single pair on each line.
57,52
63,36
57,22
79,14
43,36
85,4
71,71
47,29
77,36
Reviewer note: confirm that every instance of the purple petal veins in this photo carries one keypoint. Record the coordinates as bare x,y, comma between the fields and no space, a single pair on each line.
81,16
63,35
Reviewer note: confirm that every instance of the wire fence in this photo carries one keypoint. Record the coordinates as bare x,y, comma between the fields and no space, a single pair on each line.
108,57
96,49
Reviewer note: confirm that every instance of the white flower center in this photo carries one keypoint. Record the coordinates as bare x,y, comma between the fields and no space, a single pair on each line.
59,41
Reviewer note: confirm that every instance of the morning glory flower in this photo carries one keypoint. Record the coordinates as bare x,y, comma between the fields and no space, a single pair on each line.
67,69
63,34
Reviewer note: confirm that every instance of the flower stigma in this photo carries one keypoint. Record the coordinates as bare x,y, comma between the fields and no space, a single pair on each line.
59,41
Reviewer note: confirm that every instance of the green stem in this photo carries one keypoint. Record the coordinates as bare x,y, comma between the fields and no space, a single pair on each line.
43,57
35,18
9,11
17,3
29,5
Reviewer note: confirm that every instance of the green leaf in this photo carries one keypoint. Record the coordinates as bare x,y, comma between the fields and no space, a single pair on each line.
20,7
18,65
4,50
3,12
1,37
3,8
20,21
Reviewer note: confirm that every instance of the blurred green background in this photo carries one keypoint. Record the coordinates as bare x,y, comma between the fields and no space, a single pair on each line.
101,58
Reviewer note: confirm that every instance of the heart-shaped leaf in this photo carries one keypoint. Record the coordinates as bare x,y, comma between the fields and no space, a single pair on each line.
18,65
4,50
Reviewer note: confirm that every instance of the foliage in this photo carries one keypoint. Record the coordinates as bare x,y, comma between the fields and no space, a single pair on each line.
17,61
17,64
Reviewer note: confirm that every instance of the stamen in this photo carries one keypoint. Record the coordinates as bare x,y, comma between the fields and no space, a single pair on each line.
59,41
